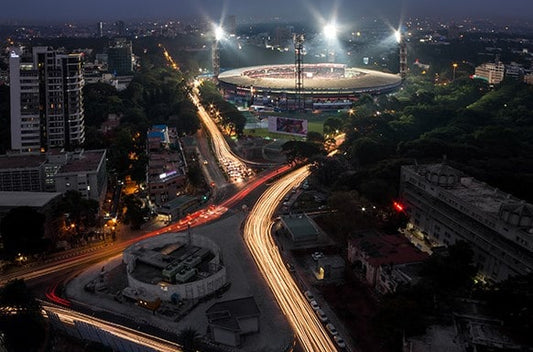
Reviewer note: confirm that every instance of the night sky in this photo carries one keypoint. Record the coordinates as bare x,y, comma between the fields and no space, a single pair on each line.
62,10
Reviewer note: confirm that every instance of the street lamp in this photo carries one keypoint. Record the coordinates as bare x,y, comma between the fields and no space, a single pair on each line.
454,65
219,33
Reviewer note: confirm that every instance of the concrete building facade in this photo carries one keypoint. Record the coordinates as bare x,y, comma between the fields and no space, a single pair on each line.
46,100
492,72
175,266
82,171
446,206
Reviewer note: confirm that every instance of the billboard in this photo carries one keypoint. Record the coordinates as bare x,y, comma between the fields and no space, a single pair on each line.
286,125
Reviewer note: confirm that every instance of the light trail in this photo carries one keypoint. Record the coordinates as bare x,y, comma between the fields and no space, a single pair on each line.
257,235
236,169
233,166
138,337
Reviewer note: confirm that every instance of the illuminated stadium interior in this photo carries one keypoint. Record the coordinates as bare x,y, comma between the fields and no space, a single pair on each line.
326,85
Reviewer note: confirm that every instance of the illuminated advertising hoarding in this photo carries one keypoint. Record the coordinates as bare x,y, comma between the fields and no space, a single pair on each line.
286,125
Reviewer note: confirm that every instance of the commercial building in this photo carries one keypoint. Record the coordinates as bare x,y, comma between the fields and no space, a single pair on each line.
492,72
166,174
120,58
20,173
179,207
378,256
56,171
230,320
85,172
46,100
301,228
446,205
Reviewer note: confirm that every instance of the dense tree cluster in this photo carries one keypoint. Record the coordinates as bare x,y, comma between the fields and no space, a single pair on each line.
487,134
21,320
157,95
22,231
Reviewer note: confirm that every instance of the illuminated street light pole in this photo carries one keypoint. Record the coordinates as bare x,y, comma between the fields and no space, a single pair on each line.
454,65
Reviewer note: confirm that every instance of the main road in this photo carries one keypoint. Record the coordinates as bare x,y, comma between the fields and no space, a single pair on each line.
236,169
258,238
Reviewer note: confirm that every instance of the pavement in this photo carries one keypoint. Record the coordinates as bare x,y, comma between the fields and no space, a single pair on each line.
275,333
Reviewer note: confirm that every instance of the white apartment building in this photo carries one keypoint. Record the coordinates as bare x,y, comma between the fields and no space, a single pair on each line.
46,100
446,206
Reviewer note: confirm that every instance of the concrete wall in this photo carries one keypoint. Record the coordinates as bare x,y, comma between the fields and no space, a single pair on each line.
164,290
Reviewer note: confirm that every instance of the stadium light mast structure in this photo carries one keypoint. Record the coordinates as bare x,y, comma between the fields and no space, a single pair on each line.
299,71
403,53
215,52
330,32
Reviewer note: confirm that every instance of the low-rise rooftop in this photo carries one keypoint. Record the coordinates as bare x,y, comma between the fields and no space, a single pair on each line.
26,199
387,249
21,161
227,314
87,161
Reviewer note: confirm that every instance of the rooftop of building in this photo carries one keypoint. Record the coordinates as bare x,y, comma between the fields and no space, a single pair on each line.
382,249
226,314
86,161
474,192
300,225
27,199
20,161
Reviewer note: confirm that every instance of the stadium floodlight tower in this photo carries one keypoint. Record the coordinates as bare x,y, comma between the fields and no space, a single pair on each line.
299,71
215,53
403,53
330,32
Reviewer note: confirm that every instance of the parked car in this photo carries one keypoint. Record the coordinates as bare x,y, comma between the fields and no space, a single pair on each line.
317,255
290,267
309,296
321,315
339,341
314,305
332,330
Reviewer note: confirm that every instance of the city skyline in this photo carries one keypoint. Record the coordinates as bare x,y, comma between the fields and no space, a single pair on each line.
35,11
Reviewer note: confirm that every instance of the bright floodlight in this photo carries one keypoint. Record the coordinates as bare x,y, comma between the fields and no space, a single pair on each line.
330,31
219,33
398,36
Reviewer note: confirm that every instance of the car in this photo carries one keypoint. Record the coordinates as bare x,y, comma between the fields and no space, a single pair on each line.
321,315
314,305
339,341
317,255
309,296
331,329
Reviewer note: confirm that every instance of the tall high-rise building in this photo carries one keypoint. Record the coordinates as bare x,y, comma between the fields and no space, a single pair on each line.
119,57
99,29
46,100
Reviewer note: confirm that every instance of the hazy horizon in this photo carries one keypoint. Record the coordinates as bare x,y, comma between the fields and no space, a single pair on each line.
67,10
